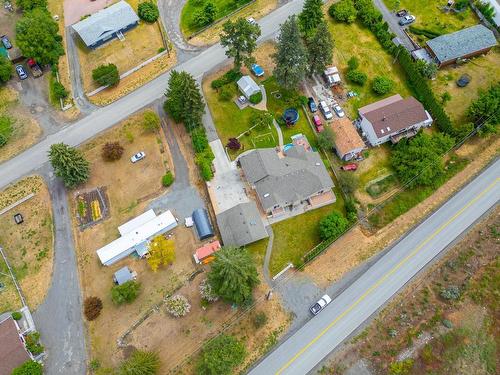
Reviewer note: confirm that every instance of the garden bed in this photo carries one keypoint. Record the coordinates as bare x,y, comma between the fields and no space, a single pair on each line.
92,207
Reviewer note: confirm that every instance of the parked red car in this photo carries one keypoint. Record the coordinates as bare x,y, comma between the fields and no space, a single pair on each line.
317,124
349,167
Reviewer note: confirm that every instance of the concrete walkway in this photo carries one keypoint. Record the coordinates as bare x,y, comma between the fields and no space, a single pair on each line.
280,133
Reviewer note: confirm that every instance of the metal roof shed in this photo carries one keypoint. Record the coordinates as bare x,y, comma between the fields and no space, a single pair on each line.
248,86
123,275
202,223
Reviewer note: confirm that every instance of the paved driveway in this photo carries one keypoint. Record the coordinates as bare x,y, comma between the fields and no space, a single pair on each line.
59,318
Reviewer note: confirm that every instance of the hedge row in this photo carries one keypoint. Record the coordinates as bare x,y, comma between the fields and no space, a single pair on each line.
425,32
203,153
372,19
230,76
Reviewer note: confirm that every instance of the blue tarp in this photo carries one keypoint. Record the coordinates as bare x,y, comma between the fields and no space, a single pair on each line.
257,70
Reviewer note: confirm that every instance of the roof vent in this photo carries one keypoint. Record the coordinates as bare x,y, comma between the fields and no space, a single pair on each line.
384,118
382,131
388,129
266,195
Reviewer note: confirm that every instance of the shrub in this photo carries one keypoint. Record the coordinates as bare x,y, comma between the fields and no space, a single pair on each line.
425,32
6,129
259,320
5,69
233,144
92,307
199,139
382,85
125,293
16,315
28,368
220,356
225,94
255,98
112,151
343,11
205,16
106,75
353,63
140,363
167,179
356,76
151,121
452,293
207,293
177,305
33,343
445,97
332,226
59,90
148,11
401,367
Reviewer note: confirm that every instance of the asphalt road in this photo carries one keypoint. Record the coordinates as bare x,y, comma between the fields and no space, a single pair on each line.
300,353
110,115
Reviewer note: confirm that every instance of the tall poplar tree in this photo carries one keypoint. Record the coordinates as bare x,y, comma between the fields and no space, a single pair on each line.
291,55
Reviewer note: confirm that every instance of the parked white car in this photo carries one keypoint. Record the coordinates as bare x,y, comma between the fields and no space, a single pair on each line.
139,156
339,111
320,305
251,21
325,110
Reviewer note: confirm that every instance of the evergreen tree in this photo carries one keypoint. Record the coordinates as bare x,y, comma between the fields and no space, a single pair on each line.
240,39
184,100
291,55
320,50
69,164
311,16
37,36
233,275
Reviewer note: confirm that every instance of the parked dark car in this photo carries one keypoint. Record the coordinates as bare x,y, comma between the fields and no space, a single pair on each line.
406,20
21,72
6,42
401,13
312,104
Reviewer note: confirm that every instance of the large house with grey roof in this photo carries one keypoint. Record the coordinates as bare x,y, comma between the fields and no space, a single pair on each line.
392,119
106,24
466,43
288,183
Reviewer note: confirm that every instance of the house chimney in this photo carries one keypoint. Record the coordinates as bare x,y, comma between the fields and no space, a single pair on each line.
383,118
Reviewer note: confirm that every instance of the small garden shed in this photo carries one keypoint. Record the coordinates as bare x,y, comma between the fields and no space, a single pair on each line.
202,223
247,86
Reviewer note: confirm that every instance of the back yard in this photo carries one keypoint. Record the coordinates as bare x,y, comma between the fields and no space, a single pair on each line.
29,245
355,40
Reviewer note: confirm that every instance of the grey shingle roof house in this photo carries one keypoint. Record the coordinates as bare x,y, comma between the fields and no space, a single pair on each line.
284,183
241,225
465,43
106,24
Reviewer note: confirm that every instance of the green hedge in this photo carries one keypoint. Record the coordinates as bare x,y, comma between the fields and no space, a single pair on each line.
167,179
425,32
230,76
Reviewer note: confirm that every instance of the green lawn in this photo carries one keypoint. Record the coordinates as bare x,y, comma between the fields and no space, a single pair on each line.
296,236
429,16
230,122
258,251
224,7
287,100
356,40
375,166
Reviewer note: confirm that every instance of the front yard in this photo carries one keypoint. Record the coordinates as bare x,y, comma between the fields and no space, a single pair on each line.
355,40
28,246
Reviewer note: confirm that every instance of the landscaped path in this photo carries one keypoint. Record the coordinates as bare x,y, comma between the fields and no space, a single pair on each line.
59,317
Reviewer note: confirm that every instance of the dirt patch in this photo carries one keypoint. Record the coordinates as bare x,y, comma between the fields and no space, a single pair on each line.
442,335
356,246
257,10
28,246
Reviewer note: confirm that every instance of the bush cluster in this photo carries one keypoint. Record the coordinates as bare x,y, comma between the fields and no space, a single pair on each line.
33,343
59,91
255,98
425,32
228,77
205,16
343,11
207,293
148,11
382,85
167,179
177,306
106,75
125,293
356,76
92,307
259,320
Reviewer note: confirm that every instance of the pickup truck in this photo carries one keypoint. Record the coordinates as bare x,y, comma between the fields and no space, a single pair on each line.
35,68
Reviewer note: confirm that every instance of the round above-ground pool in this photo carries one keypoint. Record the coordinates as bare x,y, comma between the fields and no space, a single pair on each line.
291,116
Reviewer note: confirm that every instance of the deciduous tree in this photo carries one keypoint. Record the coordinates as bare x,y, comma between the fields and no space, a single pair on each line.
112,151
37,36
240,40
220,356
311,16
161,252
69,164
125,293
485,110
332,226
326,139
320,50
233,275
261,120
106,75
28,368
233,144
291,55
382,85
148,11
27,5
92,307
5,69
343,11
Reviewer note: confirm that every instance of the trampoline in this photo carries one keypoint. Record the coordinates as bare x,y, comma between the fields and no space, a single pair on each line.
291,116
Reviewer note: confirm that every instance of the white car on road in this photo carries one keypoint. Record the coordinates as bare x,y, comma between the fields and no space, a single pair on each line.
139,156
321,304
